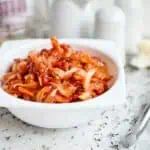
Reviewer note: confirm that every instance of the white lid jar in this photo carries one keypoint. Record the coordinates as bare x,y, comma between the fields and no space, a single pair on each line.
65,19
133,10
110,25
87,20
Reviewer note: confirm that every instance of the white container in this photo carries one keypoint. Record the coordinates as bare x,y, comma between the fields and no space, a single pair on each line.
87,22
65,19
134,23
69,114
110,25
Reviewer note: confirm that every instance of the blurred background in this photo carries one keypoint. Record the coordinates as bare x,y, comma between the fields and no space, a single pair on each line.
32,18
21,19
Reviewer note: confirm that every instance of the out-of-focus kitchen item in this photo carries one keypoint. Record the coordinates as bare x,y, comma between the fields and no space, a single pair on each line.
38,21
87,17
77,19
65,19
41,19
13,18
132,137
142,60
110,25
134,23
68,114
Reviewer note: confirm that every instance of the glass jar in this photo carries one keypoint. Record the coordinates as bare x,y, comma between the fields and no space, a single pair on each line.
13,18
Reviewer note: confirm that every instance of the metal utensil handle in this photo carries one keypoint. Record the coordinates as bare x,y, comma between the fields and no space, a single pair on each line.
142,122
131,138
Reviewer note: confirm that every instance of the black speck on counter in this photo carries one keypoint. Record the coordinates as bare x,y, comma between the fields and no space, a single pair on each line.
44,147
99,129
54,130
25,124
72,137
89,123
103,125
97,139
96,134
133,121
111,135
126,120
14,117
130,68
129,130
19,136
115,147
106,117
4,130
35,132
4,114
118,123
98,145
7,138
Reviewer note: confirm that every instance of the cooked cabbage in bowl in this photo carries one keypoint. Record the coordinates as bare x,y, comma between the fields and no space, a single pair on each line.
57,75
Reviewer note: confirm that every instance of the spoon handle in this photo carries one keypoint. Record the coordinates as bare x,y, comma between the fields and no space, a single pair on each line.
142,121
139,127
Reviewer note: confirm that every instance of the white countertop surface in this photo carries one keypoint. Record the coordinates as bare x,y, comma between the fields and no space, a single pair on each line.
103,134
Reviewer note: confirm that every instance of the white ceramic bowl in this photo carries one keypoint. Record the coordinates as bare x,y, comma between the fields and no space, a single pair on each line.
71,114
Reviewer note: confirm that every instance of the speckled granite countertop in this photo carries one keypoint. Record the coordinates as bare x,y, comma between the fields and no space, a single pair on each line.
103,134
